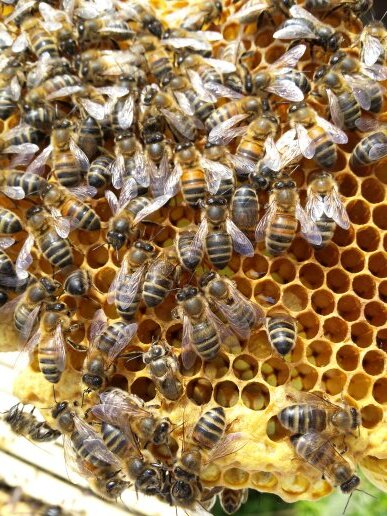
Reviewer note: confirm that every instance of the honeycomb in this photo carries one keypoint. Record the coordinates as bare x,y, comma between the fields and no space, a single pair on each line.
336,294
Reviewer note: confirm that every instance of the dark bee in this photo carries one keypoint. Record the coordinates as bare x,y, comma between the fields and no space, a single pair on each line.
27,425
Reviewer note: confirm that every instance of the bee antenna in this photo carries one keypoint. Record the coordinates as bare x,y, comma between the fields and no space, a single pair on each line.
53,390
365,492
381,19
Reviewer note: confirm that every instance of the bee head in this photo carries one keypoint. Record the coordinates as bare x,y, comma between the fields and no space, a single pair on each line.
334,42
93,381
116,239
186,293
337,58
284,184
59,409
320,72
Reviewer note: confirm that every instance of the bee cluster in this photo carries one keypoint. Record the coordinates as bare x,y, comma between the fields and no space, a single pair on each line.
149,153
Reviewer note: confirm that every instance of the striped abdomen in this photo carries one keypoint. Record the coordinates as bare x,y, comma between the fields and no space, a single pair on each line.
82,450
350,109
205,339
210,428
299,79
28,135
49,360
98,174
325,150
7,104
21,314
281,329
302,418
40,117
226,188
66,168
31,184
202,109
109,336
41,42
219,248
327,227
137,204
127,310
360,154
244,209
90,137
6,264
158,282
115,440
55,249
87,219
9,222
376,94
193,186
280,233
189,257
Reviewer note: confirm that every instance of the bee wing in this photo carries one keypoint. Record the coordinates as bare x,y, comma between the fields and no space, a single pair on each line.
249,9
94,109
141,171
15,88
272,156
335,209
199,86
241,243
30,323
58,343
98,324
5,38
159,175
62,224
375,72
372,49
228,445
31,344
112,201
83,192
184,103
334,106
64,92
117,170
24,259
224,331
286,89
129,287
307,146
177,121
260,230
378,151
299,30
196,44
128,192
23,148
208,35
188,355
238,325
50,15
309,398
242,162
20,44
6,242
80,156
216,168
367,123
220,91
290,58
155,205
314,206
13,192
126,113
308,227
197,242
118,278
359,89
299,12
237,296
126,336
36,167
220,65
335,133
223,133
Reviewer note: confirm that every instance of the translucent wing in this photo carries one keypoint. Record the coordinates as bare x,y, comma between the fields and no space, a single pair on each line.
83,192
199,86
15,88
172,185
36,167
260,230
32,343
305,142
112,201
178,122
220,65
117,169
220,91
6,242
98,324
242,162
24,259
298,30
336,134
118,279
359,88
188,355
23,148
286,89
184,103
20,44
62,224
372,49
228,445
249,9
378,151
198,241
335,209
272,156
126,113
314,207
159,175
375,72
290,58
59,346
128,192
299,12
129,287
13,192
224,331
155,205
94,109
367,123
30,323
64,92
80,156
241,243
308,227
195,44
334,106
226,131
216,167
122,341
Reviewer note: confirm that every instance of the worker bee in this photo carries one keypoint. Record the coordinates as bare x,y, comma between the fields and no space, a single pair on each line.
127,286
164,369
253,10
9,96
350,65
100,66
159,60
41,117
21,184
318,451
50,340
357,7
6,264
21,140
232,113
78,283
324,205
68,160
231,500
245,209
129,161
220,162
282,332
143,13
316,136
181,40
242,314
95,24
27,425
370,149
106,343
70,206
195,16
373,44
9,222
203,332
120,408
304,26
59,86
89,137
189,257
313,412
99,174
279,224
159,280
58,22
150,478
219,235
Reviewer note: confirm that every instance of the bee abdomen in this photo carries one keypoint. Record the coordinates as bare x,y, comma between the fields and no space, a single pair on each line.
20,316
326,227
156,289
6,264
210,428
281,233
114,439
9,222
302,418
81,448
87,218
48,363
109,336
30,183
189,257
282,333
55,249
193,187
206,340
7,105
98,174
350,109
360,155
127,312
376,94
244,209
326,152
219,248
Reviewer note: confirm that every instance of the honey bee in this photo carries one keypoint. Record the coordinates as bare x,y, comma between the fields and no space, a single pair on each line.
316,136
159,280
9,96
252,10
370,149
195,16
232,113
9,222
21,140
127,286
41,117
78,283
100,66
304,26
344,107
106,343
282,332
120,408
150,478
180,40
99,174
89,137
245,209
164,368
58,22
279,224
242,314
27,425
318,451
70,207
9,281
59,86
357,7
373,44
231,500
143,13
189,257
203,332
313,412
324,205
129,161
68,160
219,161
6,264
219,235
50,341
95,25
159,60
